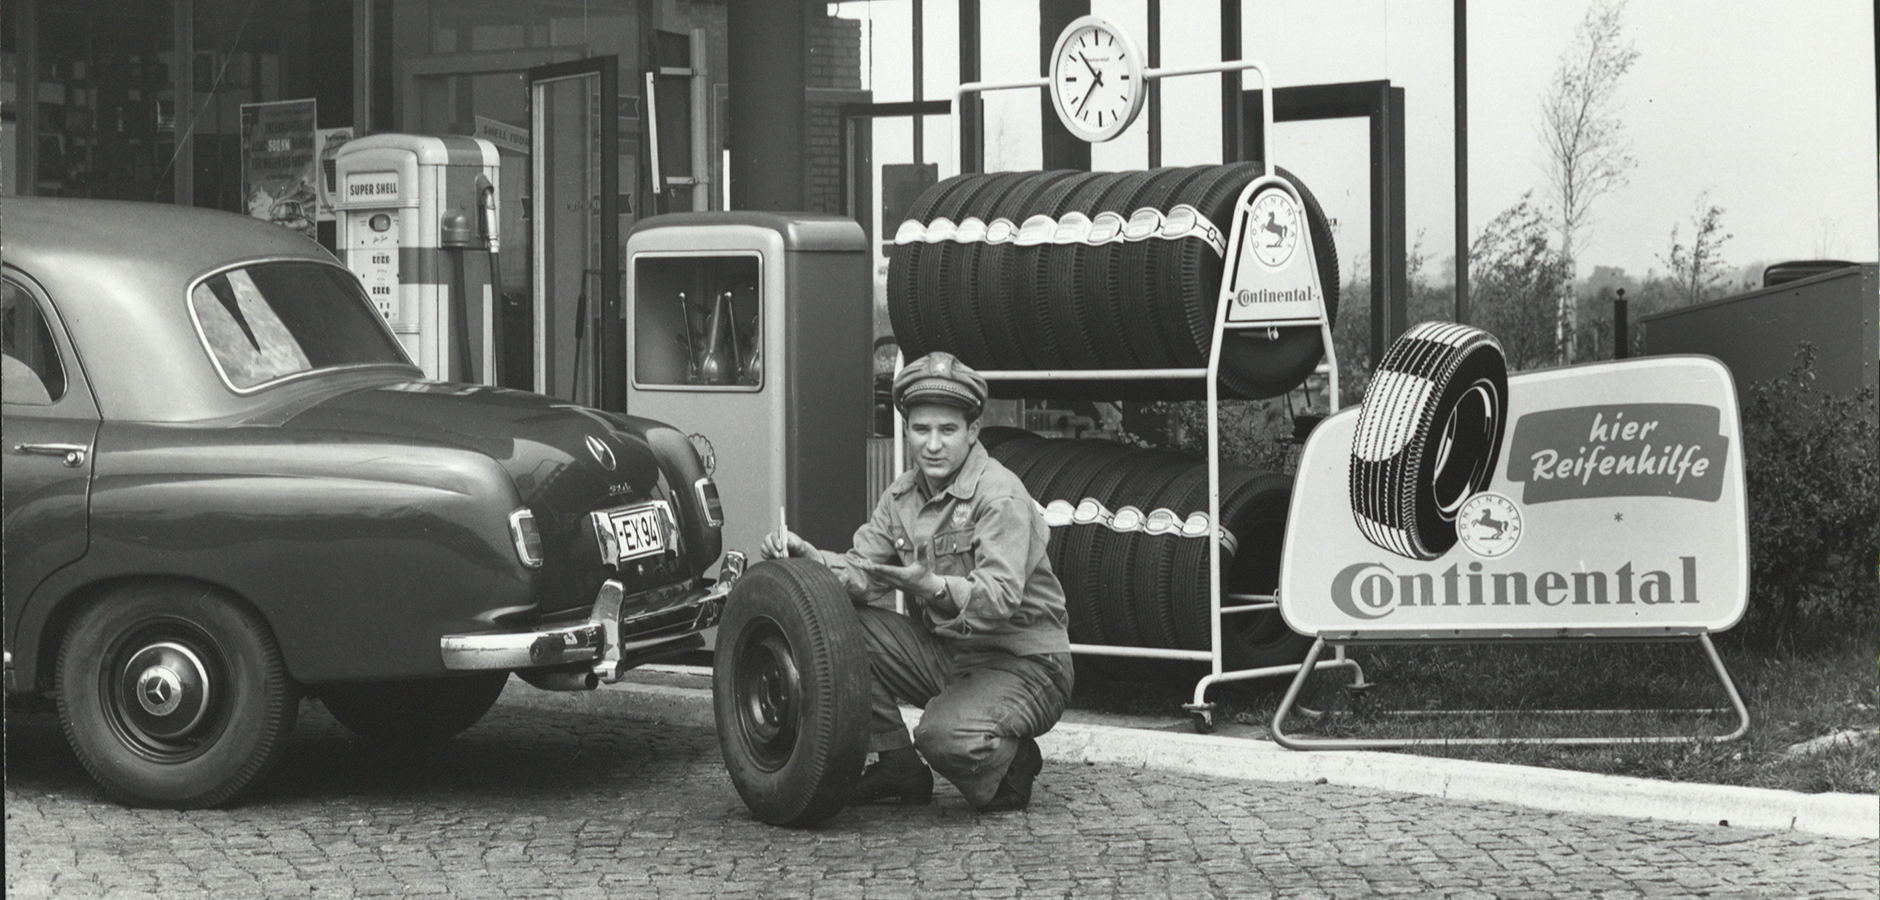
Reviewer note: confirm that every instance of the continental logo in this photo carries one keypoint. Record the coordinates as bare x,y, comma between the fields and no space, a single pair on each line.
1372,590
1620,450
1263,295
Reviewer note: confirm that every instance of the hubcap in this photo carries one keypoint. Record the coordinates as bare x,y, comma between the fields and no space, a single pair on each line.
770,690
162,695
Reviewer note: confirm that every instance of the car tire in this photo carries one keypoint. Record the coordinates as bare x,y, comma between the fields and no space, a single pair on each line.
790,692
414,712
1428,436
173,696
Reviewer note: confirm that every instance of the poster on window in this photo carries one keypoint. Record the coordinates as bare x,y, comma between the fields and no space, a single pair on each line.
280,163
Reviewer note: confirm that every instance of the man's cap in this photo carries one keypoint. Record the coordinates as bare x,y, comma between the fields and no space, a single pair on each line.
939,377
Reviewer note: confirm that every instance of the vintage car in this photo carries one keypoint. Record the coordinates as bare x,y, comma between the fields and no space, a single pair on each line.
227,487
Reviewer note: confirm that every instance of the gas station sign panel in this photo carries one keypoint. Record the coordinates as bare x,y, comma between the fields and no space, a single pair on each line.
1616,506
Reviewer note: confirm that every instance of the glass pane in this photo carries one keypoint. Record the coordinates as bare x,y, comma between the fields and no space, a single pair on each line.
266,322
33,371
697,322
106,113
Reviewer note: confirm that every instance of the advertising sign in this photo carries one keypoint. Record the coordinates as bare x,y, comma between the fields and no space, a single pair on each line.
1272,270
280,163
1601,499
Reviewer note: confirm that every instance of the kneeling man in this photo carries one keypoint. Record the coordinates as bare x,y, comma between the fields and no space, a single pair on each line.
983,647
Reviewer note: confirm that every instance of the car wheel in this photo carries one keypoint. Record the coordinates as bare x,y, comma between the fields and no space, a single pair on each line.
790,689
1428,436
173,696
418,711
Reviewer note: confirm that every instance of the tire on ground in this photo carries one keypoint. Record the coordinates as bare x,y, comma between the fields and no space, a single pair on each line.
173,695
1428,436
414,712
790,692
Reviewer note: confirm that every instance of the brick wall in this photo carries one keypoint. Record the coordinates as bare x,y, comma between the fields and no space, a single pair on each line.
834,63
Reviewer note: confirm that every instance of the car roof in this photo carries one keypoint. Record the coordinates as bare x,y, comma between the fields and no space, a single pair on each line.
119,274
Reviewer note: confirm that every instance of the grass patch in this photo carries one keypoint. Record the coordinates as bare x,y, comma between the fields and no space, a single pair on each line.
1793,697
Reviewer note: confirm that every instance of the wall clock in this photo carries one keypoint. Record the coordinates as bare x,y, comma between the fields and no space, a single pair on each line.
1097,85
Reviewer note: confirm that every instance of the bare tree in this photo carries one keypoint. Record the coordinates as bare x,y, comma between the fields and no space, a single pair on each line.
1587,153
1698,271
1515,280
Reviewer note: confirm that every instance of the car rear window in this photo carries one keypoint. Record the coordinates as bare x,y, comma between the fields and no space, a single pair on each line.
268,321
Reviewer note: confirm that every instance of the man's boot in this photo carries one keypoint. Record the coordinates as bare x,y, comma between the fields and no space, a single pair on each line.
897,776
1015,788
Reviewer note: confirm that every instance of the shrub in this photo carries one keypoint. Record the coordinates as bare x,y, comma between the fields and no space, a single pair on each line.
1812,483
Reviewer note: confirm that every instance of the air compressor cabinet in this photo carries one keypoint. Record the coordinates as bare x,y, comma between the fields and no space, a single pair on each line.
787,426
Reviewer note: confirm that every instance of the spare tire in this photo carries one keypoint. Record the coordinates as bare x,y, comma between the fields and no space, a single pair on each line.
790,692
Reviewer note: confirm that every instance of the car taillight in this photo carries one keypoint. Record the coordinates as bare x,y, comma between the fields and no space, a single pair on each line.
527,537
708,501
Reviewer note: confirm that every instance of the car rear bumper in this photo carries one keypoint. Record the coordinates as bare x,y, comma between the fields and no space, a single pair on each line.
620,632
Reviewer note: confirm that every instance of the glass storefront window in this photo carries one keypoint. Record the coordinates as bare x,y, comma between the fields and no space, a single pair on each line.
104,112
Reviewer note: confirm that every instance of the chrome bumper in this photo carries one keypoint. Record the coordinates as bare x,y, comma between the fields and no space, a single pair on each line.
613,640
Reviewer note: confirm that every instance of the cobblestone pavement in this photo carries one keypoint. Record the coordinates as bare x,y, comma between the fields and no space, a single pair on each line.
536,803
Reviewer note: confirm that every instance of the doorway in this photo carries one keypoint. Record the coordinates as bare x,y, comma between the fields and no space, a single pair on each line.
579,334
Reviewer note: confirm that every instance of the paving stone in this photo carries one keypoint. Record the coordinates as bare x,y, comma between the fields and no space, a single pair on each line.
539,803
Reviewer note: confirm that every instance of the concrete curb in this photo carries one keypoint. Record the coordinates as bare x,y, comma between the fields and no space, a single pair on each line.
1219,756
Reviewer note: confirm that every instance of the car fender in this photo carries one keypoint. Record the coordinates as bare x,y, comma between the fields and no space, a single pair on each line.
316,536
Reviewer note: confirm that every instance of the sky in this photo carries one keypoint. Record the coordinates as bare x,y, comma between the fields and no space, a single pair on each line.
1766,113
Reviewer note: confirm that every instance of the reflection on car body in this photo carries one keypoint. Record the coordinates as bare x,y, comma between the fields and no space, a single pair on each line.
226,486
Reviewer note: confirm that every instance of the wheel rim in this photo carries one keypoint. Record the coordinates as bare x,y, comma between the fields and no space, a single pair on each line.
769,695
1463,460
162,692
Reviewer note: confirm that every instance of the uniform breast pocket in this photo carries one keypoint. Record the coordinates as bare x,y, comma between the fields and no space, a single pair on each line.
953,551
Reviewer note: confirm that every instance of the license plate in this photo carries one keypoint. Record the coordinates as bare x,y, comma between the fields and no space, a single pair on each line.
632,532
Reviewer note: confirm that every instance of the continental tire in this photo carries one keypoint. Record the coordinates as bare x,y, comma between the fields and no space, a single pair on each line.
1428,436
1029,280
1081,278
1190,283
173,695
999,302
1178,582
934,277
1082,461
417,712
904,270
790,687
1255,513
944,316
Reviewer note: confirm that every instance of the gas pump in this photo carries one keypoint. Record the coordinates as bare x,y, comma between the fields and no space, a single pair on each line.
416,221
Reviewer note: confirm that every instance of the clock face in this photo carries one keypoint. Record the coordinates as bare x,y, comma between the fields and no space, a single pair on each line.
1096,79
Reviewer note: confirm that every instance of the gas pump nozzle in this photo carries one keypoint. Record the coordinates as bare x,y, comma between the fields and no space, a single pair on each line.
488,228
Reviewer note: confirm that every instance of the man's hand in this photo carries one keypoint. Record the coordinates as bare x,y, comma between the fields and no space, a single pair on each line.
778,544
914,579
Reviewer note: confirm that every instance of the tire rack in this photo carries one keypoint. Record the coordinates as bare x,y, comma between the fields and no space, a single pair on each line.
1201,711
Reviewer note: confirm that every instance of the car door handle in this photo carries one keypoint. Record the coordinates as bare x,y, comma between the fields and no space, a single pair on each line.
74,453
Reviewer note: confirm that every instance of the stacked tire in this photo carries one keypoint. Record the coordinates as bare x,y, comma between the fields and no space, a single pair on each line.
1133,575
1092,270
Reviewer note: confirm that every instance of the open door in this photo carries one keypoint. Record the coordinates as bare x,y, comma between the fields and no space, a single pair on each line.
574,186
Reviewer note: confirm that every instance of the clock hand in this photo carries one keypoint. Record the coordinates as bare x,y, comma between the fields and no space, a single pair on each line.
1093,71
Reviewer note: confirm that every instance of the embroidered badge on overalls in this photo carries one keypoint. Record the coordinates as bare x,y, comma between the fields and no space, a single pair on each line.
960,515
